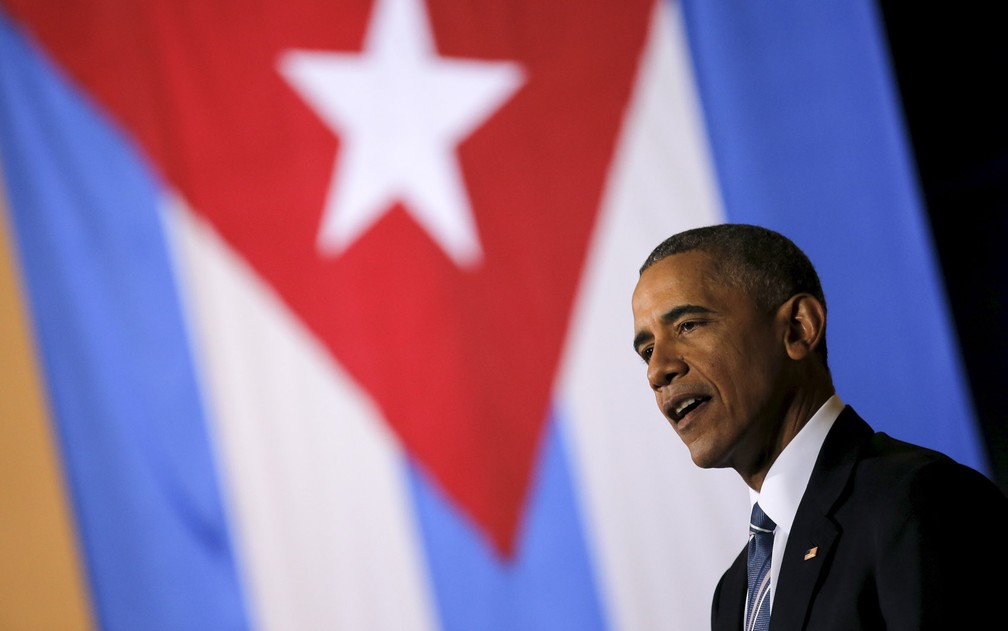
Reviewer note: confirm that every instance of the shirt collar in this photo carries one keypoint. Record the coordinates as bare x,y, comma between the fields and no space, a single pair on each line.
789,475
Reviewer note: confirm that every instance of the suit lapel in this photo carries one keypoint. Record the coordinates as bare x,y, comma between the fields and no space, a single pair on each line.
814,533
731,607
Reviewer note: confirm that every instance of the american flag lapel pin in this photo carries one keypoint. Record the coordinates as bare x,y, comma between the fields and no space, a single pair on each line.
811,552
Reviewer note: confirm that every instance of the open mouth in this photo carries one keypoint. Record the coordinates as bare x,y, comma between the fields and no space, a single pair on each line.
685,406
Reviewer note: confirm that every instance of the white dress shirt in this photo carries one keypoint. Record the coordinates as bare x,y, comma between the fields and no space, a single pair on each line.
789,475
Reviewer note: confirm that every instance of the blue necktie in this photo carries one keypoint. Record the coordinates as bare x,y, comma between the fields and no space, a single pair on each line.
761,527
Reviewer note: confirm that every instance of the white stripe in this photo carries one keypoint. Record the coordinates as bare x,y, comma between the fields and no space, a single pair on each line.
662,530
762,590
313,478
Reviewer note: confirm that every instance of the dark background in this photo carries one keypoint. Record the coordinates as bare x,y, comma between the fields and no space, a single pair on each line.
951,67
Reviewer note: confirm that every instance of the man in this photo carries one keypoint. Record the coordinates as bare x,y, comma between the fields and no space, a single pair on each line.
867,532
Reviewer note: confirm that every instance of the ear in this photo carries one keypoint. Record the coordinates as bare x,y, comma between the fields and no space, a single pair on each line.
806,325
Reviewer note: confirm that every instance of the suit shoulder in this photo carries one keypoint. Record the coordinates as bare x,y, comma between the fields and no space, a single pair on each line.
905,473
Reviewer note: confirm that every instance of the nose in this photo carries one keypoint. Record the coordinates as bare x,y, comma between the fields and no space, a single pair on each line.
665,365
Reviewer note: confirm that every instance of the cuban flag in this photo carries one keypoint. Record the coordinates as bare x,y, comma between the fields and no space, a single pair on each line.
317,314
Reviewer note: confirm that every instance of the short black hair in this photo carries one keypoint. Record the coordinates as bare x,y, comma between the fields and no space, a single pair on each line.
764,264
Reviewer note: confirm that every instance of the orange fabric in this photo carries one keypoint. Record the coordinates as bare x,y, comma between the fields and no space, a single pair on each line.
41,582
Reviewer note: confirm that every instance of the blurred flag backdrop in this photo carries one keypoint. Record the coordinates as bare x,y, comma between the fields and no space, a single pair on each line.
316,314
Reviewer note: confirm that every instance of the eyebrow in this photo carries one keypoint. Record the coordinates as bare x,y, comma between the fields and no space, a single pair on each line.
671,315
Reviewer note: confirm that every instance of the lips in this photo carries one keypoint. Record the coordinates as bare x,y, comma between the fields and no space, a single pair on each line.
678,408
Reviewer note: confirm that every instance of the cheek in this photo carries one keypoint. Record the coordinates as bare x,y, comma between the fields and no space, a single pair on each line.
720,366
754,381
736,377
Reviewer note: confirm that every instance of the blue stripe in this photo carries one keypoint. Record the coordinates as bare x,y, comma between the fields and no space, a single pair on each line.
117,366
548,586
805,126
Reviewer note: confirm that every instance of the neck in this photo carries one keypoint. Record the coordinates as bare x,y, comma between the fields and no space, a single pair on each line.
796,414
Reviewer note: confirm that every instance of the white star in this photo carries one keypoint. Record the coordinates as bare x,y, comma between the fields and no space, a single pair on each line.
399,110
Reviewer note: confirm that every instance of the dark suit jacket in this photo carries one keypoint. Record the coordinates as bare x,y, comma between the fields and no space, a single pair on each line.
904,538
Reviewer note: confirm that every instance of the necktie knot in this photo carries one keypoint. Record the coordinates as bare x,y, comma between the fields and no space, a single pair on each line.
759,522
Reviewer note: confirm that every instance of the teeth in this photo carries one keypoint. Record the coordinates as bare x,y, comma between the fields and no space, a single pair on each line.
685,404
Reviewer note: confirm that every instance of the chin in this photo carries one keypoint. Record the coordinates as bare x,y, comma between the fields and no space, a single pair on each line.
703,459
706,458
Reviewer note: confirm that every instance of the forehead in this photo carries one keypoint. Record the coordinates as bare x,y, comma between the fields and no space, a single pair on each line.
687,277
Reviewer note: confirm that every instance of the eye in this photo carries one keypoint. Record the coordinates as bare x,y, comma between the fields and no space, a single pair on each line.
645,353
688,325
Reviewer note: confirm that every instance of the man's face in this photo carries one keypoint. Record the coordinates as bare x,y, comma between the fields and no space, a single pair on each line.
715,363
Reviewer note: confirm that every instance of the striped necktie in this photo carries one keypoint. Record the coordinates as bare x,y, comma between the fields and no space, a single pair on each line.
761,528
